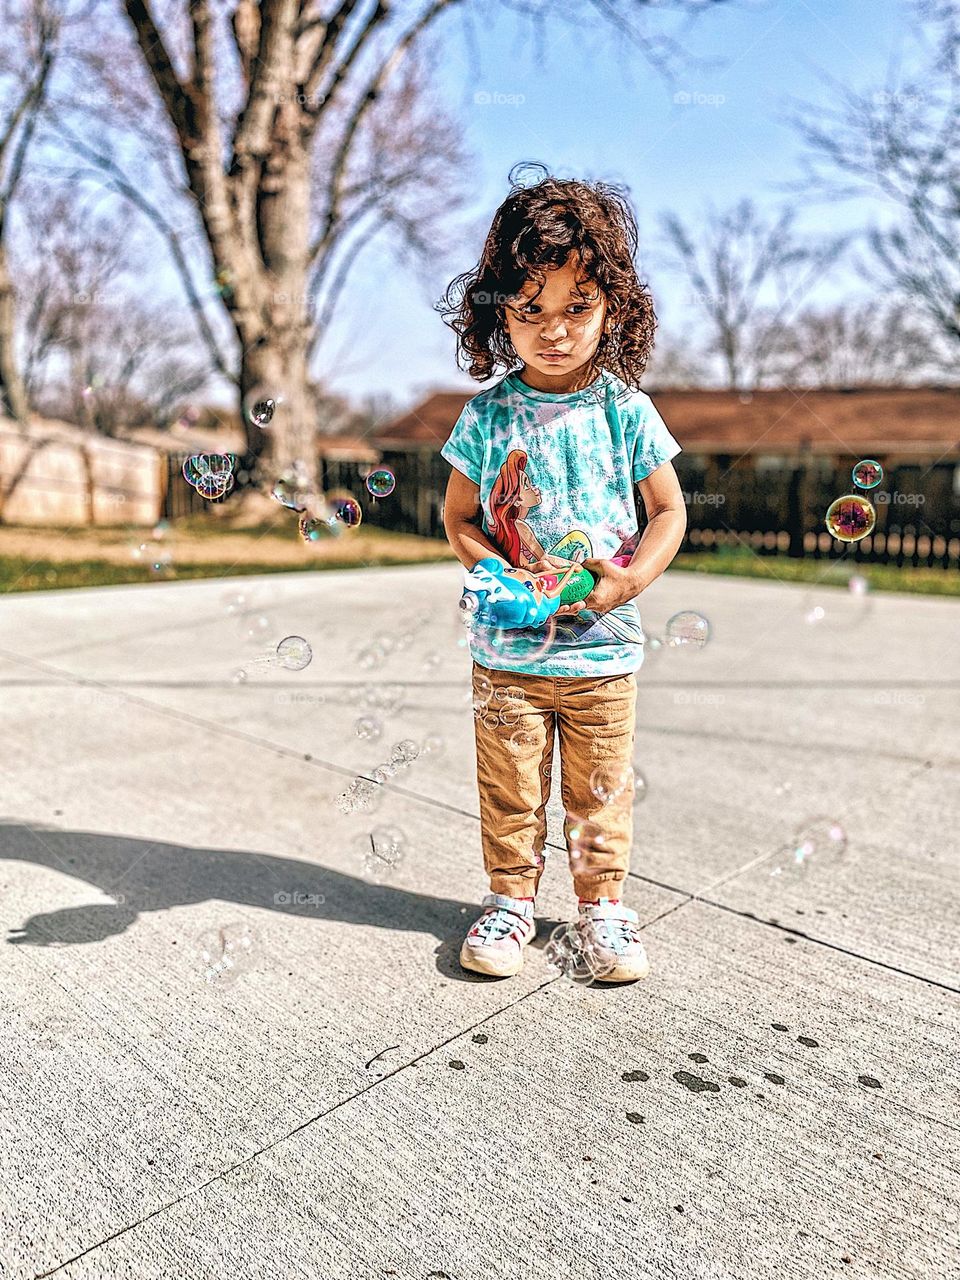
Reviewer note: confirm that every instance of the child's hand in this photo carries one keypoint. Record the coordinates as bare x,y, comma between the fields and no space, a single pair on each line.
548,564
615,586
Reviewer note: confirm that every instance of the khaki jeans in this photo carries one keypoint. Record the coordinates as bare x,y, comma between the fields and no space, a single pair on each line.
595,719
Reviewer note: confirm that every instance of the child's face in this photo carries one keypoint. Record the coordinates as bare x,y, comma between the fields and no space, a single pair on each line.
557,317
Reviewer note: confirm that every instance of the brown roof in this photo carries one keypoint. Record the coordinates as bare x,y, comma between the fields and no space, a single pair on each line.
921,421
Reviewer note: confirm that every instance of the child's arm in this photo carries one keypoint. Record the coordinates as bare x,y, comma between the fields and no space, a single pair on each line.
666,525
463,521
661,540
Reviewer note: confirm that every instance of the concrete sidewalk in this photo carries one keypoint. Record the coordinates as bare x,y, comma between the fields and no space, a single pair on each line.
778,1098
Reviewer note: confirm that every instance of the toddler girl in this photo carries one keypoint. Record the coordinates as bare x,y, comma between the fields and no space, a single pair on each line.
544,468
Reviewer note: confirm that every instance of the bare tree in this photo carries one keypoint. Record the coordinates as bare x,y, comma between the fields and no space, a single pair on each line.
901,143
676,364
95,353
749,275
869,345
294,135
30,37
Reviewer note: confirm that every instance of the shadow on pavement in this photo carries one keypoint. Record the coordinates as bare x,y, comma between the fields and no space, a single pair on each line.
151,875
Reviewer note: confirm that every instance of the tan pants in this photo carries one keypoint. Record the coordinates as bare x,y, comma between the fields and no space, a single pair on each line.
596,723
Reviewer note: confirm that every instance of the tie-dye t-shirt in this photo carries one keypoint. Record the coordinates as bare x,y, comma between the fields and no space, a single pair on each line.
556,475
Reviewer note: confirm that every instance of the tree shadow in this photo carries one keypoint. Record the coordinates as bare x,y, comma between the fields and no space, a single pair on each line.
143,875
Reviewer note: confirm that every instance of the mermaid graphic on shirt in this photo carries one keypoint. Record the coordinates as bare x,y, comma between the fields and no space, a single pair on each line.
513,496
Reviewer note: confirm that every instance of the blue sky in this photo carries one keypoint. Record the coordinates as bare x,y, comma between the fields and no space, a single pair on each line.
592,107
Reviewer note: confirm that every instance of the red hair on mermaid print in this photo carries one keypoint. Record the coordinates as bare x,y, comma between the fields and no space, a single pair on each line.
514,494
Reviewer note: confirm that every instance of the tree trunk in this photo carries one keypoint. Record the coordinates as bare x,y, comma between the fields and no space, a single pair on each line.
12,391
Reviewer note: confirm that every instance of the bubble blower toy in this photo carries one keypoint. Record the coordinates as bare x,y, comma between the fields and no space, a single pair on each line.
497,595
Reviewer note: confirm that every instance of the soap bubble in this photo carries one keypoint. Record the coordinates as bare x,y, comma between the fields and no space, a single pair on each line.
380,851
583,836
850,518
289,494
362,796
574,949
510,715
857,584
609,782
260,405
345,512
313,528
254,627
381,483
522,740
405,752
433,745
161,563
211,474
369,728
640,786
235,602
817,838
294,653
239,676
482,691
687,630
226,952
867,474
382,697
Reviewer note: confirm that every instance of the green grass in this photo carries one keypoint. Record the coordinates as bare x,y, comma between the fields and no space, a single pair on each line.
742,563
20,574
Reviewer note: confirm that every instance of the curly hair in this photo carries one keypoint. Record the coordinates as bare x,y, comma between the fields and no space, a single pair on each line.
537,227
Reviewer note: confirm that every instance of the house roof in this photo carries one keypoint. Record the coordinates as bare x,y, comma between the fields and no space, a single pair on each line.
916,421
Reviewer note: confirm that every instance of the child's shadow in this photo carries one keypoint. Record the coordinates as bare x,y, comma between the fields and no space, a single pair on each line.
150,875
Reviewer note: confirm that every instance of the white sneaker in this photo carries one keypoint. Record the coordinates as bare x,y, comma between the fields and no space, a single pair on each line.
614,940
495,943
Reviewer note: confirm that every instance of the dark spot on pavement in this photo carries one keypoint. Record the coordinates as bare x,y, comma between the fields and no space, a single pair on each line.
588,1158
626,1199
308,757
456,1064
869,1082
479,1039
737,1082
694,1083
772,1076
778,1026
877,1155
698,1057
679,1208
634,1117
846,1258
790,939
811,1044
631,1076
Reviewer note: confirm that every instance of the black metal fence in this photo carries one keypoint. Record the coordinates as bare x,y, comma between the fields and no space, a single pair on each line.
774,511
730,503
